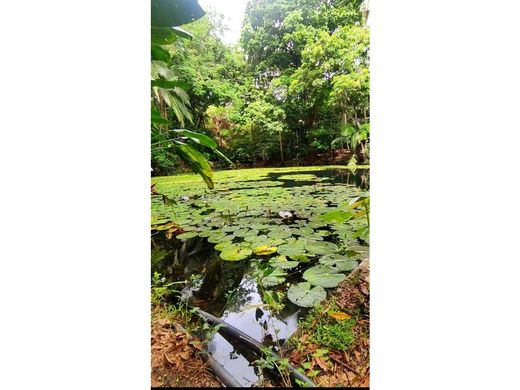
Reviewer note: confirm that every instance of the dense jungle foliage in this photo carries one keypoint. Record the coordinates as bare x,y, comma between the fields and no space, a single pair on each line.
297,85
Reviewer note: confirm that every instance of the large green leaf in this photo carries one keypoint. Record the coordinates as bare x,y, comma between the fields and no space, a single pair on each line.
302,294
169,13
157,118
219,153
235,253
321,247
160,54
291,250
187,235
274,278
196,161
170,84
282,263
323,276
201,139
163,36
339,262
337,216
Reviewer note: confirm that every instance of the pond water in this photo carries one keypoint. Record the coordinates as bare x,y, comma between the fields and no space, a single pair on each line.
250,247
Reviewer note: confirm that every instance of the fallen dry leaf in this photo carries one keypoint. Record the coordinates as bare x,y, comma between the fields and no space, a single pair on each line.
339,315
322,364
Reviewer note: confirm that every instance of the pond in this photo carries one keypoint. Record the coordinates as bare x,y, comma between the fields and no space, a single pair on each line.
261,248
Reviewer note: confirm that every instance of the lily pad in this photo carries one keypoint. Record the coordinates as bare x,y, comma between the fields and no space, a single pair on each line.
280,234
291,250
323,276
300,258
337,216
282,262
223,245
220,237
321,247
187,235
274,278
302,231
229,228
323,233
235,253
251,236
206,233
303,295
341,263
264,250
166,226
245,232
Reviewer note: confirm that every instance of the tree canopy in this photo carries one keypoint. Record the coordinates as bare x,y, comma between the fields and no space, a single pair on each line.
296,85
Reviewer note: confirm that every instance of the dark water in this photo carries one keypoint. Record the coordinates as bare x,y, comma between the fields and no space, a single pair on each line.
229,290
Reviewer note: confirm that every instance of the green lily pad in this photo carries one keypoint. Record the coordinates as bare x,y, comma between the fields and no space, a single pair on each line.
280,234
235,253
302,231
187,235
314,236
274,278
303,295
323,276
321,247
229,228
337,216
300,258
220,238
275,241
340,262
223,245
291,250
317,224
245,232
251,236
323,233
206,233
282,262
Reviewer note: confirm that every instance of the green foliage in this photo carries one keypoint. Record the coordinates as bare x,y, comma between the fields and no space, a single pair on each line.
312,57
298,85
302,294
168,13
326,331
169,94
162,289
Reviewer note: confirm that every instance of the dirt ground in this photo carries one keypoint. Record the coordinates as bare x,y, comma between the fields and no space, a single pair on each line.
176,360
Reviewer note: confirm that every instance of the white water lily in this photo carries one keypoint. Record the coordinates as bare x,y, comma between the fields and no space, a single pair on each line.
285,214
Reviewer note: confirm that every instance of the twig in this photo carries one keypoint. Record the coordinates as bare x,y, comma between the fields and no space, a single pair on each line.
345,365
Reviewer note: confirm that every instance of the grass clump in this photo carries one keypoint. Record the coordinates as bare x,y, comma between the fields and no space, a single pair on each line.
327,331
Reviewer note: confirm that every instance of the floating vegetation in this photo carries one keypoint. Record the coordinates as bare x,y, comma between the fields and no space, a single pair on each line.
289,219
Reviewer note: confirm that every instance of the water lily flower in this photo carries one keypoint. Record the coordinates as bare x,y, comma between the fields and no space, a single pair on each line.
285,214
